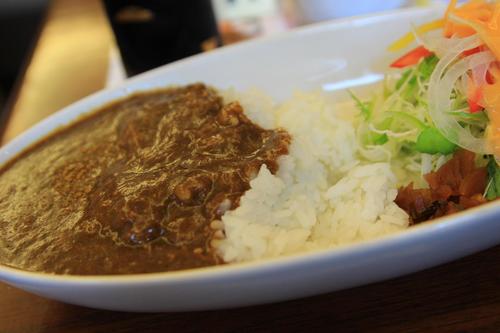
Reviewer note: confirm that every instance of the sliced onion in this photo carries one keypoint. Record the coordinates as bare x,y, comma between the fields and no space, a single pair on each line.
441,85
479,68
479,74
437,43
433,41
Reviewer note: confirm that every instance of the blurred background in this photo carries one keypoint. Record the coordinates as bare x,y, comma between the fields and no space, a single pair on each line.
19,24
55,52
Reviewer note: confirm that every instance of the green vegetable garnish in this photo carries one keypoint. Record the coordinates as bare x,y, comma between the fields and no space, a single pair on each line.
411,90
426,67
403,78
373,138
380,139
407,118
478,116
399,119
414,76
364,107
431,141
493,187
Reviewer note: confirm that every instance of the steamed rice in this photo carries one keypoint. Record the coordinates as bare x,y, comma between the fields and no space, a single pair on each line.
323,195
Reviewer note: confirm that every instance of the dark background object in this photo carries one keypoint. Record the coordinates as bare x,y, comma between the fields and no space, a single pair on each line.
19,23
155,32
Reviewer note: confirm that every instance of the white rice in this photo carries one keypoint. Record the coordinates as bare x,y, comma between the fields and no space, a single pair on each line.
323,194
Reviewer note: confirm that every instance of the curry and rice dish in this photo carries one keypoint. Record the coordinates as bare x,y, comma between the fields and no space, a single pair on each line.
135,187
190,176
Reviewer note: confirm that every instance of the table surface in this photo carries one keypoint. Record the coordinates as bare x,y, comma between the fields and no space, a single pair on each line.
462,296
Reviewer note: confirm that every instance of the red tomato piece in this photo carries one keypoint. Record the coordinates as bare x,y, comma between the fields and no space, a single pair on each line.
412,57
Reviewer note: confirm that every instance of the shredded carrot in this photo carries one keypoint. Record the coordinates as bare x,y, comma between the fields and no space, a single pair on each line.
476,16
493,24
491,100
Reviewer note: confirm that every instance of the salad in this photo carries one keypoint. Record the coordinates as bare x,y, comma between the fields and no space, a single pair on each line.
438,115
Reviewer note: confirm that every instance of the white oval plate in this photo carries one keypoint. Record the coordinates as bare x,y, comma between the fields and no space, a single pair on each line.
328,56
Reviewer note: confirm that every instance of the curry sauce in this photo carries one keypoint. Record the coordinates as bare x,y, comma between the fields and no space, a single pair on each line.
134,187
